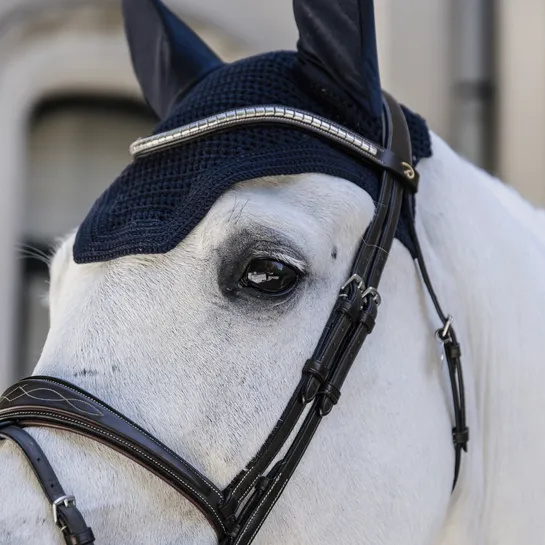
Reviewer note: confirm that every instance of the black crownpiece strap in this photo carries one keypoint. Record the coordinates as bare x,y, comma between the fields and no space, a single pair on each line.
350,323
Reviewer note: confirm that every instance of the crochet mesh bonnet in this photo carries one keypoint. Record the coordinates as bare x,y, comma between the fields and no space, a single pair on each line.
158,199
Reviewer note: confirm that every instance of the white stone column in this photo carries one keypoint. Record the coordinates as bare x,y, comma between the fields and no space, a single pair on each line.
521,104
72,62
417,67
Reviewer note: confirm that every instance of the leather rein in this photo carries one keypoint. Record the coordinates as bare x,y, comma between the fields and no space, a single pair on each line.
238,512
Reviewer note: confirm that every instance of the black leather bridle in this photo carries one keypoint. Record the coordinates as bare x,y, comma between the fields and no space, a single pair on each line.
238,512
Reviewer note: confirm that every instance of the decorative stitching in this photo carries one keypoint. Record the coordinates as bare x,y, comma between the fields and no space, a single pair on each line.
135,448
32,395
140,430
242,480
248,489
268,511
257,509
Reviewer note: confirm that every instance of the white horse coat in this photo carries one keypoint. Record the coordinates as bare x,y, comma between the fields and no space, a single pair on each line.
153,336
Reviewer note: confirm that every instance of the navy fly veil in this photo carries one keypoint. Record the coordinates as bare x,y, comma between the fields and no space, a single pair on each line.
158,199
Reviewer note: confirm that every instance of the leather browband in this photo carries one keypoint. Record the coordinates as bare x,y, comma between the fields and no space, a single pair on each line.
384,158
238,512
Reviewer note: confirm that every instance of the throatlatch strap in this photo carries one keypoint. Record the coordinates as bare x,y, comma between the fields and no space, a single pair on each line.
453,354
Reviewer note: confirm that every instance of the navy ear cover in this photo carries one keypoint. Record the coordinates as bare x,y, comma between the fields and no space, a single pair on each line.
337,48
167,56
159,199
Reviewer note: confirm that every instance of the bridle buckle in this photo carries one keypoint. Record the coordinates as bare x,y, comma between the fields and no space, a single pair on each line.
373,292
443,335
365,292
357,279
67,501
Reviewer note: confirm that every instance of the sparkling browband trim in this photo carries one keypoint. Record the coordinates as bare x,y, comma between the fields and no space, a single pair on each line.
278,114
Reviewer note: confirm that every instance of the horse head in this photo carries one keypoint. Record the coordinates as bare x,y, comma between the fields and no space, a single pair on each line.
197,302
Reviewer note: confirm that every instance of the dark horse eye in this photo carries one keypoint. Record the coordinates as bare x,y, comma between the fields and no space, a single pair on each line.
269,276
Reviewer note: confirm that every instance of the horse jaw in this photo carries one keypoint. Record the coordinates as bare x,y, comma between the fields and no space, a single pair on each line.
209,375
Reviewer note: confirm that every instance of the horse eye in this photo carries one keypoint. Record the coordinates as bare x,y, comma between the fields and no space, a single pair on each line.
269,276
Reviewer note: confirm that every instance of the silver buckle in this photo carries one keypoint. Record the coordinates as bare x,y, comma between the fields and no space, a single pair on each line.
354,278
373,292
365,292
67,501
442,335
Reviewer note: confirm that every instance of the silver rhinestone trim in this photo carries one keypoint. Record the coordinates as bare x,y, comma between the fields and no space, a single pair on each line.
279,114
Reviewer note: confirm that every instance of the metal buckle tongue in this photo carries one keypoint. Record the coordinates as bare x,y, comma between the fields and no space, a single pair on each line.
443,335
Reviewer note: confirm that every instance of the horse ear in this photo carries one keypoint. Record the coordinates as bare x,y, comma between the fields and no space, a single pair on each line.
167,56
337,47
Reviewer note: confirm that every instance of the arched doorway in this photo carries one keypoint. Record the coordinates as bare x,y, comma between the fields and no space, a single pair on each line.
77,145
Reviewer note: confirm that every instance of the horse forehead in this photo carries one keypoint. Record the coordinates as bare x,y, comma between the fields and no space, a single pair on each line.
313,202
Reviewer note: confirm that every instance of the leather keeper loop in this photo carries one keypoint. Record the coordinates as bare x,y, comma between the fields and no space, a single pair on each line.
262,484
310,390
348,307
368,320
233,532
318,375
460,437
83,538
316,369
229,505
330,397
453,350
331,391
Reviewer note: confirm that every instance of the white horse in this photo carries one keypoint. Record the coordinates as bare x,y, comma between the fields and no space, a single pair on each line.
155,337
